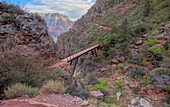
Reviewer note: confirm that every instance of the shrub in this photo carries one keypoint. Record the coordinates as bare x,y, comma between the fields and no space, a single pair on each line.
53,86
102,86
108,99
167,88
82,94
18,90
33,92
92,80
103,104
148,59
120,84
159,57
40,19
152,41
137,72
163,71
135,89
166,105
105,92
139,29
166,45
10,18
147,81
144,63
120,66
93,101
137,59
70,89
156,50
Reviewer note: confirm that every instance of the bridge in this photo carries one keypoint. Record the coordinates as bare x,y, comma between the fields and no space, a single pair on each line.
75,57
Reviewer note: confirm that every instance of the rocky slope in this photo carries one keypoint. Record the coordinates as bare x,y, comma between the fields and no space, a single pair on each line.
134,55
57,23
23,31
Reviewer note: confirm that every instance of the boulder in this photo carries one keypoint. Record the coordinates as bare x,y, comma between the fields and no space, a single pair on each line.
141,102
134,100
97,94
118,94
167,26
145,35
140,42
84,103
133,84
160,37
114,61
161,29
120,59
144,103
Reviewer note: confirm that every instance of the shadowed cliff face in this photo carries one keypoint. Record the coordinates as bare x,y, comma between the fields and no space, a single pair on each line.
57,23
24,32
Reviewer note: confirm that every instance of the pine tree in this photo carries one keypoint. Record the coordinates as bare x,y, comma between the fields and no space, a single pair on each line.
99,10
124,39
147,7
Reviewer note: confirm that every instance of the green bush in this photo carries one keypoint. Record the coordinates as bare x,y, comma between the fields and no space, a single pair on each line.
135,89
18,90
10,18
70,89
166,105
148,59
156,50
53,86
120,66
109,99
137,72
120,84
105,92
82,94
147,81
144,63
103,104
166,45
92,80
102,86
152,41
33,92
137,59
139,29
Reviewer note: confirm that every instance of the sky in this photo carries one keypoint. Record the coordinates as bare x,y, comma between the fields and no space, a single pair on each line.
74,9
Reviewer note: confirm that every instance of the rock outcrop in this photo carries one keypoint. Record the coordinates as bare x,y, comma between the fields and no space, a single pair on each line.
25,32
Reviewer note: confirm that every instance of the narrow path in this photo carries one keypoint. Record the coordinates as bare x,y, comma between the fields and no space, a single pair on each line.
104,27
45,100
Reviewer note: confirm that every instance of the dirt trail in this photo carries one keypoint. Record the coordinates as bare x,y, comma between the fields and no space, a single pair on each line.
104,27
42,100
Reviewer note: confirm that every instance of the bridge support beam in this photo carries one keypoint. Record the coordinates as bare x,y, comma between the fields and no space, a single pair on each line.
92,52
75,66
95,52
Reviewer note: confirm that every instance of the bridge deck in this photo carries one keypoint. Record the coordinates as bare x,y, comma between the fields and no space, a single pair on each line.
79,54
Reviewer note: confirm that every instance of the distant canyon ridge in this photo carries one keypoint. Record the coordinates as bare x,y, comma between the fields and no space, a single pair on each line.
57,23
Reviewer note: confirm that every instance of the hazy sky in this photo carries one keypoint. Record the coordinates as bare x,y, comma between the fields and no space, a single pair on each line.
74,9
